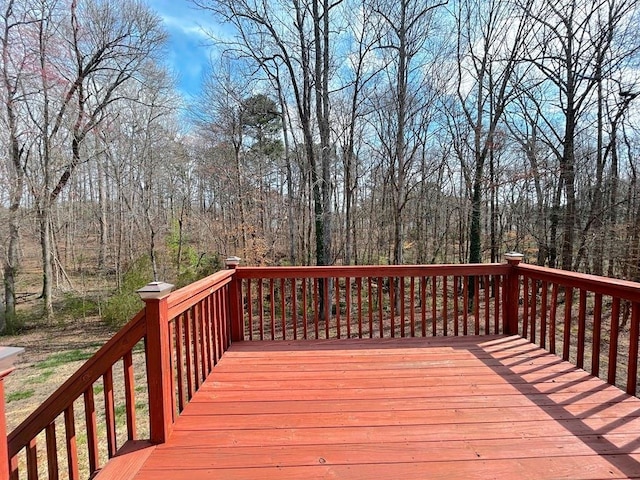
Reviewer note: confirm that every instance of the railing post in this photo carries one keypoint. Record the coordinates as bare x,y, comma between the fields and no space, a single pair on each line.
8,356
235,310
511,322
158,352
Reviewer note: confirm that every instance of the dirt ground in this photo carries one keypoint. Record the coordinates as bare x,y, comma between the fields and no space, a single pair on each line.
52,353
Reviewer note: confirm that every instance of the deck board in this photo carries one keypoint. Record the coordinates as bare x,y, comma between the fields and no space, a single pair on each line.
454,407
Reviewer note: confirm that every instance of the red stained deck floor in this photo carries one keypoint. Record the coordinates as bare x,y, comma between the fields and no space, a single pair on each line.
454,407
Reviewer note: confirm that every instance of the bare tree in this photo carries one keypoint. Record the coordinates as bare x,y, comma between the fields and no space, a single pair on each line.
407,26
294,41
15,62
491,39
80,80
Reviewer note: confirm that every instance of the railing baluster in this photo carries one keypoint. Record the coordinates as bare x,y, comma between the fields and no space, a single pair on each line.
326,307
434,307
525,307
249,302
224,320
402,305
172,378
261,307
543,315
91,426
187,354
32,460
337,299
632,368
272,308
597,335
109,412
52,451
445,294
465,305
504,298
497,282
476,303
532,304
72,448
552,318
316,308
370,306
613,341
304,309
13,468
401,295
180,361
412,305
380,307
347,295
456,316
359,296
209,333
129,394
582,312
196,347
487,305
423,305
568,301
294,308
392,305
283,309
203,341
221,324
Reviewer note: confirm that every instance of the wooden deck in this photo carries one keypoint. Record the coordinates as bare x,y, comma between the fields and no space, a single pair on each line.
455,407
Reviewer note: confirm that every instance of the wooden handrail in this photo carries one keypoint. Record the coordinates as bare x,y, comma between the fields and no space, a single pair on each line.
373,271
594,283
186,297
121,343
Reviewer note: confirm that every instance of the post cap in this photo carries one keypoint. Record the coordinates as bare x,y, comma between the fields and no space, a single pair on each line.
155,290
8,357
232,262
513,256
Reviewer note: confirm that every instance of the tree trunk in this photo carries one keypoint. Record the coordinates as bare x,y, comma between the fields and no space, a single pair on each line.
44,221
11,268
102,201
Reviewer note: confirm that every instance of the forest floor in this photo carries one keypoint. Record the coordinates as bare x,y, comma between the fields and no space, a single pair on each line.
53,351
56,348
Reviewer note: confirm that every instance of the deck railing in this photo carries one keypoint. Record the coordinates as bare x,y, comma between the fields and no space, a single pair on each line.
184,333
592,320
290,303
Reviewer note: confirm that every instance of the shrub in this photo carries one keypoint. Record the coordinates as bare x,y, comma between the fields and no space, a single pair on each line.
193,266
122,306
200,267
74,306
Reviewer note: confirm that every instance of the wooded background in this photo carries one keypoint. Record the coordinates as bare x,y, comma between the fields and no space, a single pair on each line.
342,132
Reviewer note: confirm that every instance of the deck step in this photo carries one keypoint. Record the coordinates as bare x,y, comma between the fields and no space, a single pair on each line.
127,461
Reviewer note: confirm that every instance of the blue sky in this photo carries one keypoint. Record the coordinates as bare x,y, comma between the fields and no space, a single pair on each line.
189,47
